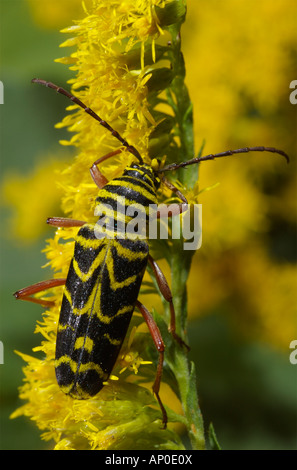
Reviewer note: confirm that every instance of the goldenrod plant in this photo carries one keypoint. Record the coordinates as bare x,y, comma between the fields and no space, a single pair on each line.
129,66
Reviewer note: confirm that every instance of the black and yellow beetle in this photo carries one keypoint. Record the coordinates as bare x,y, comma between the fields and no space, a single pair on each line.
105,274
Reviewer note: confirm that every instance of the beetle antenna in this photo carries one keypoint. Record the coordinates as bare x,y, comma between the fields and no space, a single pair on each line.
92,113
175,166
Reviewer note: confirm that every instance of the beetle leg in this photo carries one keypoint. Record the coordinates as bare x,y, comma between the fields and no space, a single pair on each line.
64,222
27,292
166,292
157,338
174,190
96,174
177,209
161,280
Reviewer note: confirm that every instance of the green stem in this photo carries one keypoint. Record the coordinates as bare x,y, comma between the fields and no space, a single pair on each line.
184,370
180,259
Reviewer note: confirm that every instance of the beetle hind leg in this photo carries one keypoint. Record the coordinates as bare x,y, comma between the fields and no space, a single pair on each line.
166,292
27,292
157,338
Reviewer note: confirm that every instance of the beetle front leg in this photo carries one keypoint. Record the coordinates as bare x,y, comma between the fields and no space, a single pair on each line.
96,174
166,292
157,338
175,209
27,292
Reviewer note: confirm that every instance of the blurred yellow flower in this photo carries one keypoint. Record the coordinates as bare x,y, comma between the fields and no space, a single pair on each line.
57,13
33,198
238,77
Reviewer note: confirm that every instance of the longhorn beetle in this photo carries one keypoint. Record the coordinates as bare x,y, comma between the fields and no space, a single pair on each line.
105,273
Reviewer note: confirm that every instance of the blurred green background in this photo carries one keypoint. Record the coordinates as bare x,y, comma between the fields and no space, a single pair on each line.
242,289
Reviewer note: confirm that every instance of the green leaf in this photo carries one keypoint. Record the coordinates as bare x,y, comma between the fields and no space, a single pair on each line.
174,12
213,441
